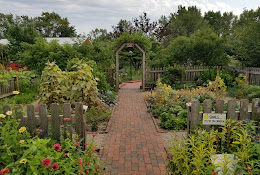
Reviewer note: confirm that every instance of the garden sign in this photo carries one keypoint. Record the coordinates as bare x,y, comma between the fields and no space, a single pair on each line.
214,119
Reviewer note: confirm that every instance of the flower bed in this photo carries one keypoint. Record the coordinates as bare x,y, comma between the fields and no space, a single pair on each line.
169,105
197,154
23,154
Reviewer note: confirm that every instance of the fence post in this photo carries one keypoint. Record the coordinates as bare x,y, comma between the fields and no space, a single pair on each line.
231,111
66,114
44,120
16,84
207,108
189,117
80,125
194,120
256,110
31,121
55,121
243,109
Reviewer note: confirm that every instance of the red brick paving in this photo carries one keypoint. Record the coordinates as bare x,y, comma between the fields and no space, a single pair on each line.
132,145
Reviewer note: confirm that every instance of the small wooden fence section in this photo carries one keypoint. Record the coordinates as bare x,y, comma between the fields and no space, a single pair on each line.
152,75
252,74
54,121
194,114
7,88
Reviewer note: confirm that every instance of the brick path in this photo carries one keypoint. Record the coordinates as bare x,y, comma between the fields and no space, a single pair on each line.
132,145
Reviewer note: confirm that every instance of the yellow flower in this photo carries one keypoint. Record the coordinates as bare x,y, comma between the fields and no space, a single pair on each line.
2,116
19,120
206,117
22,129
23,161
9,113
175,109
16,92
180,109
5,145
21,142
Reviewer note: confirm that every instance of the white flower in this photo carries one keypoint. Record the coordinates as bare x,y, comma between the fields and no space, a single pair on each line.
9,113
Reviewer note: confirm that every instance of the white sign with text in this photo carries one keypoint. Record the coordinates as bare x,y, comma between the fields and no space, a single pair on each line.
214,119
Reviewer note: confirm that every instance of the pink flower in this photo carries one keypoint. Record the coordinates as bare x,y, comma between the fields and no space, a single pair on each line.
4,171
66,119
94,135
38,130
55,166
248,168
46,162
239,123
65,155
56,147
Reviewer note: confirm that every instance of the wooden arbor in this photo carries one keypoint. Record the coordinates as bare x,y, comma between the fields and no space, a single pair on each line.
117,64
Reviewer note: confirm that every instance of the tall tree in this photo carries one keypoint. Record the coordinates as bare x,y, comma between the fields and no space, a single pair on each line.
52,25
99,35
184,22
17,35
245,40
121,27
221,24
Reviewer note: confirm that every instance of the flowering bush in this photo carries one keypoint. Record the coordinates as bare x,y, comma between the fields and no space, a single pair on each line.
195,155
170,104
23,154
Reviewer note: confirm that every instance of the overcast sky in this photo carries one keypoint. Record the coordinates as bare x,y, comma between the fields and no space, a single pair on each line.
86,15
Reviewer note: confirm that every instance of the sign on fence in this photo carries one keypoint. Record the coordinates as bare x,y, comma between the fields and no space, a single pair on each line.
214,119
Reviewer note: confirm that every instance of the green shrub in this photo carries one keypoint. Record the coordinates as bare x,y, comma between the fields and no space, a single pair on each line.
253,92
172,74
210,75
193,155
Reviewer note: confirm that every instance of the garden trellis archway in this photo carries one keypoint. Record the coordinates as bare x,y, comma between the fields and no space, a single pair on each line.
117,64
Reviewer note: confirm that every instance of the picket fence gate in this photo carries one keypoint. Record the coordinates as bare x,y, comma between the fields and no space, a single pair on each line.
54,120
194,114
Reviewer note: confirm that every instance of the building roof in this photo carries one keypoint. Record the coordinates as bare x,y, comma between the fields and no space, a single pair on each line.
4,41
61,40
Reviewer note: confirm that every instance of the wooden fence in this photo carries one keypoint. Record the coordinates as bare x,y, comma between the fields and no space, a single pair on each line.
194,114
152,75
110,76
6,89
54,121
252,73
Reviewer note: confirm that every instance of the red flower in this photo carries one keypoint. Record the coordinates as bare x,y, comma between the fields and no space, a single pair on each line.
56,147
211,137
80,161
66,119
65,155
4,171
38,130
86,171
94,135
55,166
214,173
46,162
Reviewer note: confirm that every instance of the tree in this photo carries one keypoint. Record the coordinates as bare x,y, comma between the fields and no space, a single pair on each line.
17,35
143,24
221,24
52,25
208,49
184,23
245,40
5,22
121,27
99,35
